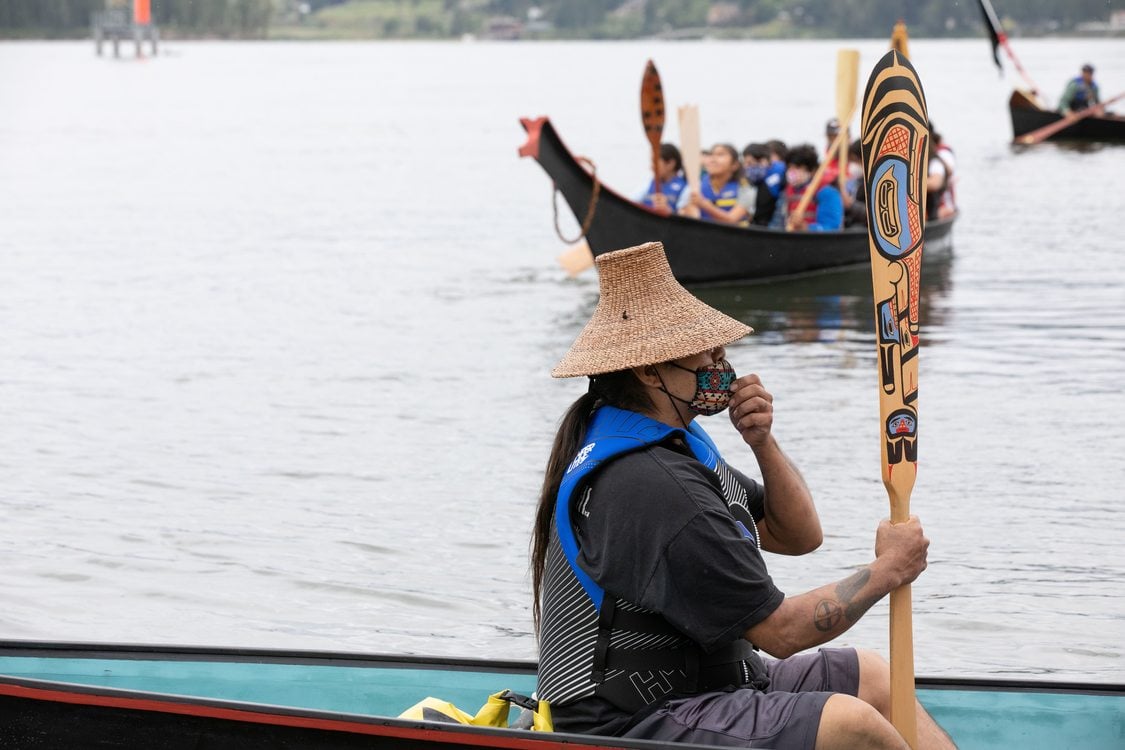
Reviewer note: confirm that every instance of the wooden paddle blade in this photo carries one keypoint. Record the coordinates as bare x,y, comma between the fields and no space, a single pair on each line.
895,138
577,259
690,149
652,112
900,40
847,79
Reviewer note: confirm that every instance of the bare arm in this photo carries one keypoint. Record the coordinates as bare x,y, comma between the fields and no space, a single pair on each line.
791,525
818,616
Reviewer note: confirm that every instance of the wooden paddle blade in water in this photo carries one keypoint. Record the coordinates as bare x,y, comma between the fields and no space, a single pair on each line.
652,114
896,138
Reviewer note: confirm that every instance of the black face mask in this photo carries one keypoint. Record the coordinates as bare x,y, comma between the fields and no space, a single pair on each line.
712,388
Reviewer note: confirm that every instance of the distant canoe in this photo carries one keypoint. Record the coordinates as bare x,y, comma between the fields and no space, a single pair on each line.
135,697
701,251
1028,116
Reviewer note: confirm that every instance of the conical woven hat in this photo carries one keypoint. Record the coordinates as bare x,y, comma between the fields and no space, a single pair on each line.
643,317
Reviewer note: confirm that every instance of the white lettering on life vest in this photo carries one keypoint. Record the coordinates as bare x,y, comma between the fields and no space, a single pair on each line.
580,457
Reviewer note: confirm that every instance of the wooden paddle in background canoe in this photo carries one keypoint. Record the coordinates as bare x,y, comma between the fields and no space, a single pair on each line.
1000,39
847,79
841,140
652,116
896,139
579,257
1045,132
690,151
900,40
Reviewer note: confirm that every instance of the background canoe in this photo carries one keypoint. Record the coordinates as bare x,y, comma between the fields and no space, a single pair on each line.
699,251
165,697
1027,116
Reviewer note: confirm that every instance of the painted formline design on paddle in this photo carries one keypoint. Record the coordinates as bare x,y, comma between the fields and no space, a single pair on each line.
896,138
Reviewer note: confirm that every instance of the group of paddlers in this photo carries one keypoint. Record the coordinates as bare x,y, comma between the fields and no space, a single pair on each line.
766,185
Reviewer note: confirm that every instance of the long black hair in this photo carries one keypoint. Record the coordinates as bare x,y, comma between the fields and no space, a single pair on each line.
620,389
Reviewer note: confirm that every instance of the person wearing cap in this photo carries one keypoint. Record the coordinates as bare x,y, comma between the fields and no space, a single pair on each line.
651,592
832,168
1081,92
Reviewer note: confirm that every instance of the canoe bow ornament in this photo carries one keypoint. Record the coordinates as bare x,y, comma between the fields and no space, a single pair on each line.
895,143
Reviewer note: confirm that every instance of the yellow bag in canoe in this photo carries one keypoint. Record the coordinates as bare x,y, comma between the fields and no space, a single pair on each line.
494,713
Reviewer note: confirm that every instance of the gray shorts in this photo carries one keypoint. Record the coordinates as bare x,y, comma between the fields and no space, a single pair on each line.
784,717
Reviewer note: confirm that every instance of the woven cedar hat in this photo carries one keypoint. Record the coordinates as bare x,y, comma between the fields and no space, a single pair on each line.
643,317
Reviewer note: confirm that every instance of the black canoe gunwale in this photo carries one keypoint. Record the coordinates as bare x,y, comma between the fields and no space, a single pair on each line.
701,252
1028,116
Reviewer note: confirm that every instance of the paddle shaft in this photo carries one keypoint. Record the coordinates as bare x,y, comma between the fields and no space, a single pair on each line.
1002,39
1045,132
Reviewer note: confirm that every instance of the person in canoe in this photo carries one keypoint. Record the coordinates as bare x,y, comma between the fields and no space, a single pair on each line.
1081,92
825,211
666,198
652,597
722,195
768,179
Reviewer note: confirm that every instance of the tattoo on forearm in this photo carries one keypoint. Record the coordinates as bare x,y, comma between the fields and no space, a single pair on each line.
829,612
827,615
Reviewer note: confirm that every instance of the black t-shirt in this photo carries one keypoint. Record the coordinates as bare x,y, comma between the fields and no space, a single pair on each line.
656,531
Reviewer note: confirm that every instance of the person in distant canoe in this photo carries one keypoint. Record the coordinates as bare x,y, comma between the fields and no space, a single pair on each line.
651,593
1081,92
855,193
778,151
940,200
722,190
832,168
672,182
825,211
767,175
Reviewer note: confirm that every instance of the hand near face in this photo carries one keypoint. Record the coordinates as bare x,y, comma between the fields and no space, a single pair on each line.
751,410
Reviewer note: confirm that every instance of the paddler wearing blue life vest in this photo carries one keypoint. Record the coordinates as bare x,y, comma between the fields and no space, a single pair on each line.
652,594
673,184
724,192
1081,92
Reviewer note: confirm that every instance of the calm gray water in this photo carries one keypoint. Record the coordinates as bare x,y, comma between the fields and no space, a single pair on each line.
276,322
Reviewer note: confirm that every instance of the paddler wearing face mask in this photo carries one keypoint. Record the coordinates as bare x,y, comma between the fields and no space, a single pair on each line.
825,211
651,592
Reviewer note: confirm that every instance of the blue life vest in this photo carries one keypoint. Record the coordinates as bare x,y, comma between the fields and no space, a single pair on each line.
672,189
1084,94
726,199
613,432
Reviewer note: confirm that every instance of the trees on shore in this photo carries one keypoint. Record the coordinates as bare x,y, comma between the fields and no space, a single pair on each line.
604,19
67,18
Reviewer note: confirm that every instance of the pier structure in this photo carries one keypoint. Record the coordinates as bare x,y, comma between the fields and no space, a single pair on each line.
125,19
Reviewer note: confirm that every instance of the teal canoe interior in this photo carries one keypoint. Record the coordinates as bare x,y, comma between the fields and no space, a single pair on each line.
977,717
